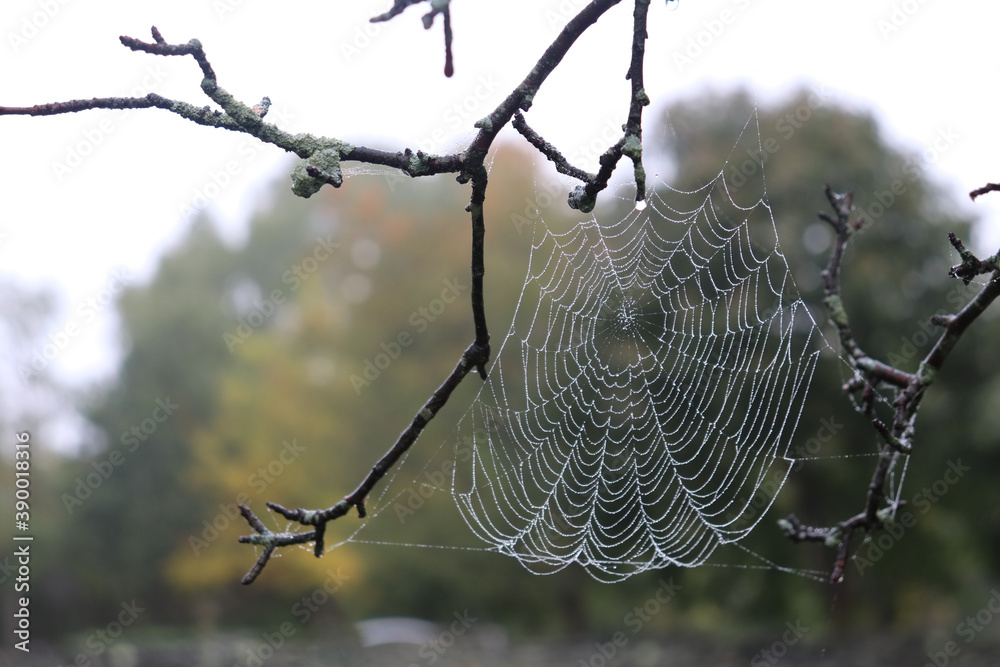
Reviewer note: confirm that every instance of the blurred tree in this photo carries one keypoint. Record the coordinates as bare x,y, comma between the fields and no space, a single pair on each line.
26,321
167,386
35,401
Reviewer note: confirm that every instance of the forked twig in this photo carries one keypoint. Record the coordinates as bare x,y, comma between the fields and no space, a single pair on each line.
989,187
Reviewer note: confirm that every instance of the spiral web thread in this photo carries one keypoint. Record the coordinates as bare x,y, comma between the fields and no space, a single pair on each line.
651,381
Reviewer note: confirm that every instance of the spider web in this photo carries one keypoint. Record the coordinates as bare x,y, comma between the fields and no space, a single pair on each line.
640,410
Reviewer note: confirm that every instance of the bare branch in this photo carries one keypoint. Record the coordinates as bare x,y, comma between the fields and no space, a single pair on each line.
471,167
633,127
449,62
898,438
890,439
321,160
843,227
321,155
584,197
398,6
160,47
836,536
522,96
437,7
955,326
269,540
989,187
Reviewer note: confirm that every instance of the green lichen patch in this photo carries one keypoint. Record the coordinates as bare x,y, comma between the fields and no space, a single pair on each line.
632,147
325,158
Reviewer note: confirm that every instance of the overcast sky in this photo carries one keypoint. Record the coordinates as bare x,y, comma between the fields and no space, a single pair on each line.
92,200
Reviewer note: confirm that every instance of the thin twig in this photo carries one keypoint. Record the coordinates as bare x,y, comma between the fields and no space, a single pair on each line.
473,358
449,61
399,6
843,227
639,99
548,150
989,187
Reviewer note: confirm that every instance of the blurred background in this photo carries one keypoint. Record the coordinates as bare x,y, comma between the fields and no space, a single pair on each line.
182,334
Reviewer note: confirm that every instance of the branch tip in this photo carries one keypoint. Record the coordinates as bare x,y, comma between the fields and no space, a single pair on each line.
971,265
989,187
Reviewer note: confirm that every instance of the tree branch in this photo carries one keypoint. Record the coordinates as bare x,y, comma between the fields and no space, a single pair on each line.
321,155
633,127
989,187
584,197
442,7
897,439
